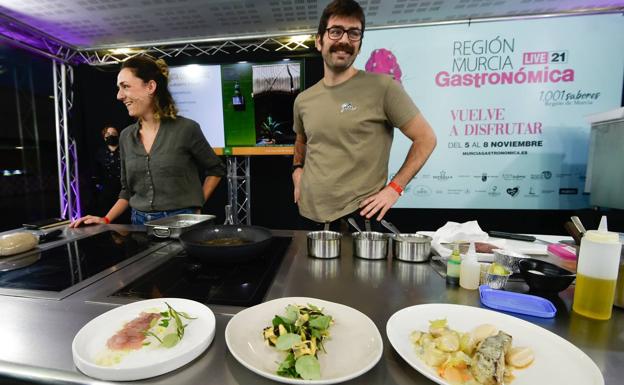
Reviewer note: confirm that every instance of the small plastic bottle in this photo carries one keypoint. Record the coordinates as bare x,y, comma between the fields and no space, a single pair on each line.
452,267
597,272
470,270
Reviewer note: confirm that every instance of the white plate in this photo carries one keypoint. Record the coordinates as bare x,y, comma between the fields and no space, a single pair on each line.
557,362
143,363
354,347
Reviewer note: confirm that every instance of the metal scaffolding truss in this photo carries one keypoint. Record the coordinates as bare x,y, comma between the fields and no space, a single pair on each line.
239,198
228,47
69,190
22,35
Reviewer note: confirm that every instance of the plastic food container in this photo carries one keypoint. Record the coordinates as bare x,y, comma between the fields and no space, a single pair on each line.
566,254
517,302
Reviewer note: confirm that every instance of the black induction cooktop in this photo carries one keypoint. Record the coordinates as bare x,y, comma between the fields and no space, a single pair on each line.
239,284
67,265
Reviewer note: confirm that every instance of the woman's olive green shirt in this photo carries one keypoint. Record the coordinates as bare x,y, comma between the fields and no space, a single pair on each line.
168,178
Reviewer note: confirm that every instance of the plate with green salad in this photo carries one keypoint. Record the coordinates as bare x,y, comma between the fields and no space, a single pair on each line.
304,340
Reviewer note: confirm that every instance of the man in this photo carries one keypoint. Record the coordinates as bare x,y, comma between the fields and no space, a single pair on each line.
344,126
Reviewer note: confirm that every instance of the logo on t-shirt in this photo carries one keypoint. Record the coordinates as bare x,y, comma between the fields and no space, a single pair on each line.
347,107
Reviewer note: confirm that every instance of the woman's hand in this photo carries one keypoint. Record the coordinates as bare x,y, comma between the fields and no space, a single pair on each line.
87,220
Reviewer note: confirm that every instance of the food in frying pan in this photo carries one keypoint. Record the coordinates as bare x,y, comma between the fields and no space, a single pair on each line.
225,242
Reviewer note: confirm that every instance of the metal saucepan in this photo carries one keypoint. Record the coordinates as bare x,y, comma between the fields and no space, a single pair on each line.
368,244
226,243
411,247
324,244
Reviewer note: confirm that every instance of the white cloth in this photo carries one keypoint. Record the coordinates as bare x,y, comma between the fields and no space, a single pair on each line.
464,232
471,232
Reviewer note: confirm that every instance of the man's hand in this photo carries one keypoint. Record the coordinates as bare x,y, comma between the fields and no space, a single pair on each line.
296,176
380,202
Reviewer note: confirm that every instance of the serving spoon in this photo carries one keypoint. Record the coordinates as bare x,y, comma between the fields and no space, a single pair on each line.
392,228
353,223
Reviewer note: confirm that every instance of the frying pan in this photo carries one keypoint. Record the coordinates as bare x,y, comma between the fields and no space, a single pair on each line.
197,243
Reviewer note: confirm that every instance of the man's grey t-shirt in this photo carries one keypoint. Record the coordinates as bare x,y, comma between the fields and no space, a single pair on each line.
349,129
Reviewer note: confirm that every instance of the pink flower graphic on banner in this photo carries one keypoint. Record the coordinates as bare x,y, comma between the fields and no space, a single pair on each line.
383,61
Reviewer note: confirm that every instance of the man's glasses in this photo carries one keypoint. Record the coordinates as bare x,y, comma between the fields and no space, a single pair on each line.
335,33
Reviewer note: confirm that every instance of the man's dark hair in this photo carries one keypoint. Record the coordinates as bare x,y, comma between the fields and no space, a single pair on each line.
106,127
343,8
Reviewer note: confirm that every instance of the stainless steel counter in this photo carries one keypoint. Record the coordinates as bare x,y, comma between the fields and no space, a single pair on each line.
36,334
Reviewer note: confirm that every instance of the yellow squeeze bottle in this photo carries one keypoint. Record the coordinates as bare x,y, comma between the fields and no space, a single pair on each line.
597,271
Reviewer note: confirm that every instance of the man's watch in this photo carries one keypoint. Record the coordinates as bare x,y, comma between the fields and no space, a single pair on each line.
296,166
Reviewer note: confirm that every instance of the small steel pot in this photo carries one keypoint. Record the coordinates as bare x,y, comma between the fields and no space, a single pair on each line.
324,244
411,247
370,245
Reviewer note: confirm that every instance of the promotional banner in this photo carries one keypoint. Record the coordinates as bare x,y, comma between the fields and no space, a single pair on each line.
196,90
507,101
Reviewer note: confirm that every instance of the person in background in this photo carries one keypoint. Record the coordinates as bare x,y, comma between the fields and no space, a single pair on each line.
345,125
107,173
162,154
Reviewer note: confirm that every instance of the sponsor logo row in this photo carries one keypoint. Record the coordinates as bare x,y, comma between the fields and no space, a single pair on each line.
443,175
493,191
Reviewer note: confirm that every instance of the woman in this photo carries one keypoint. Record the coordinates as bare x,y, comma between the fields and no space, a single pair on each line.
162,154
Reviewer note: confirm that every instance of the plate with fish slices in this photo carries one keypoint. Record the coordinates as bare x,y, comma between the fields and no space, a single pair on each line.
143,339
555,360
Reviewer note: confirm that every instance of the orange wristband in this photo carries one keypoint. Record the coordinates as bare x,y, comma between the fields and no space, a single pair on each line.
396,187
106,220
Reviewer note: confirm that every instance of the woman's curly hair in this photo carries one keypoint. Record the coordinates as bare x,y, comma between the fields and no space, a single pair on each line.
148,69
